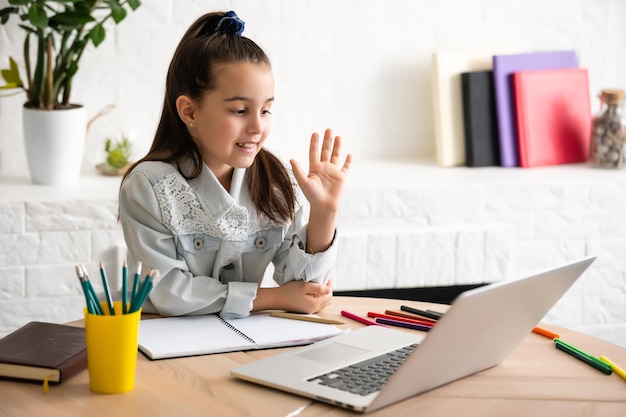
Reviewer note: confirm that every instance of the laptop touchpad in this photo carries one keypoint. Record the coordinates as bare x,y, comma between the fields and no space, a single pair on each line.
332,352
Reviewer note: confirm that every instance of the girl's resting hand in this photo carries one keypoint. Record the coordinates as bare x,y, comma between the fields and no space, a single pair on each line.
295,296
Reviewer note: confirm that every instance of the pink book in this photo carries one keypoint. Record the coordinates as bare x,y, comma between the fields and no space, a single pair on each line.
553,113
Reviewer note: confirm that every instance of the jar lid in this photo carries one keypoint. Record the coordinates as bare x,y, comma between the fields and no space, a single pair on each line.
612,95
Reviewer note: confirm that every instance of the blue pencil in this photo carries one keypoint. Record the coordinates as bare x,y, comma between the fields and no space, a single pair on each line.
136,282
83,284
94,297
124,286
144,290
107,291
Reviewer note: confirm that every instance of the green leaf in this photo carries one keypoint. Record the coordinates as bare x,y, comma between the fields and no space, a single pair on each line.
5,14
71,19
19,2
37,16
134,4
97,34
12,75
117,12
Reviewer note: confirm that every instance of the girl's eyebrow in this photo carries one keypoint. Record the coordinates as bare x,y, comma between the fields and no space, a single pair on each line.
241,98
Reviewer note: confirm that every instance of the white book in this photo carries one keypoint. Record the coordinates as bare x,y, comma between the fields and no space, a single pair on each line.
172,337
447,66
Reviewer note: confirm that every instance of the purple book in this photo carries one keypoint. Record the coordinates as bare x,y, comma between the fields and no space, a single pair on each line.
503,67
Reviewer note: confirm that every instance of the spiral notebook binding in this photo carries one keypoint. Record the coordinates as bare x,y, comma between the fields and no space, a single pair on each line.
236,330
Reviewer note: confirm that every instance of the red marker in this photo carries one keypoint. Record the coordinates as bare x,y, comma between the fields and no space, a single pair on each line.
359,318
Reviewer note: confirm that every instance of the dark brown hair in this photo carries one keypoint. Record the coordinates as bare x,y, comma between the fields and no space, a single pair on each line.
192,73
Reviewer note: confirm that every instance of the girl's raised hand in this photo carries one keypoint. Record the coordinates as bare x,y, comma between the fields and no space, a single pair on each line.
323,186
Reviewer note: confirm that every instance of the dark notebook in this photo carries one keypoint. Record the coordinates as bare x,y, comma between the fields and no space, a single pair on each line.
480,120
38,351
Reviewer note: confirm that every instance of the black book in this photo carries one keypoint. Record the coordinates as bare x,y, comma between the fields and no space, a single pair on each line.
480,120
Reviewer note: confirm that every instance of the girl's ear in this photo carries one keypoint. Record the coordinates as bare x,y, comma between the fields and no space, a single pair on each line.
186,110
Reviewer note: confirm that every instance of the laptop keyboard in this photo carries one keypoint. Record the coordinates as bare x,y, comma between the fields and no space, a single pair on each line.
368,376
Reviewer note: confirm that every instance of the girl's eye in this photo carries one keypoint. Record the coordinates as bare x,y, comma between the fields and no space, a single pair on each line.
267,112
239,112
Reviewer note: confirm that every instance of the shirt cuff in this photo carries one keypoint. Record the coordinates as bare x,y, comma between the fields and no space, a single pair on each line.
312,267
239,300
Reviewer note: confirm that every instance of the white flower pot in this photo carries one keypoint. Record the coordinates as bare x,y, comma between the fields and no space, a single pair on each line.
55,144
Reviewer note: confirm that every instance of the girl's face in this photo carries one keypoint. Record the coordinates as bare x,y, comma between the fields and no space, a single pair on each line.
233,120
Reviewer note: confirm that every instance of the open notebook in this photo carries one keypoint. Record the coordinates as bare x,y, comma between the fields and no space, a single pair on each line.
173,337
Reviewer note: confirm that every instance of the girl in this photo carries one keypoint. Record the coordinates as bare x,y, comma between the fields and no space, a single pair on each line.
210,208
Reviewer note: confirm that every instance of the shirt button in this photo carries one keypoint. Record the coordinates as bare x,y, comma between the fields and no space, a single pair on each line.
198,243
260,242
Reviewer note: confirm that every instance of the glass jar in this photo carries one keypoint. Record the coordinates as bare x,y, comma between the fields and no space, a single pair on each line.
608,132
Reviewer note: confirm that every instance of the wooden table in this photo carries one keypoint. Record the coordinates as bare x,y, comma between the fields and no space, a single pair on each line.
535,380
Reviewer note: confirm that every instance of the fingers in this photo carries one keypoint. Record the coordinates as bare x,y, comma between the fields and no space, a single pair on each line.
327,146
331,148
346,164
313,149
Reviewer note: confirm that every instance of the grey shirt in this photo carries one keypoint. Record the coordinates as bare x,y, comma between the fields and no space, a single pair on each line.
211,247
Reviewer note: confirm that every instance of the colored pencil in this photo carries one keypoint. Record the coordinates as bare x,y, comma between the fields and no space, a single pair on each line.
404,324
107,290
437,313
124,287
419,312
409,316
97,306
303,317
83,284
359,318
398,318
144,290
136,281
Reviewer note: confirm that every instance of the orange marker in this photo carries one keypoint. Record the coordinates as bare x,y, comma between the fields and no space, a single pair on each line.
546,333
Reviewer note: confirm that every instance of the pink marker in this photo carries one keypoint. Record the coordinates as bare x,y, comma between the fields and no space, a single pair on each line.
359,318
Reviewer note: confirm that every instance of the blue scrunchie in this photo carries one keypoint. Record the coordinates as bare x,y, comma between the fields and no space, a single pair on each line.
231,24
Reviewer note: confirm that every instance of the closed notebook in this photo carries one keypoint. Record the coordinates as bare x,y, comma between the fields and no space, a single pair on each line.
480,122
38,351
503,68
172,337
553,114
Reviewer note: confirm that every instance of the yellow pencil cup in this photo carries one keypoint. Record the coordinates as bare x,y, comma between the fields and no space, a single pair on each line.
112,350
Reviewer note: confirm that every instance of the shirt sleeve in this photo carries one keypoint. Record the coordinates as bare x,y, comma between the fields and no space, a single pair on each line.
176,291
292,262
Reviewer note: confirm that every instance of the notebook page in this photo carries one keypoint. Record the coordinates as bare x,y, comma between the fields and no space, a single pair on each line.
188,336
269,331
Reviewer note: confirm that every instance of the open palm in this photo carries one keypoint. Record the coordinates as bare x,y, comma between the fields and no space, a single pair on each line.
323,185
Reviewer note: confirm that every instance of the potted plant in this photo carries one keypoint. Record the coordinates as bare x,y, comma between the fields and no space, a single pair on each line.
57,33
118,154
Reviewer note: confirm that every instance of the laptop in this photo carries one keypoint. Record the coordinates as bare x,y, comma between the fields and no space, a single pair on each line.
478,331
